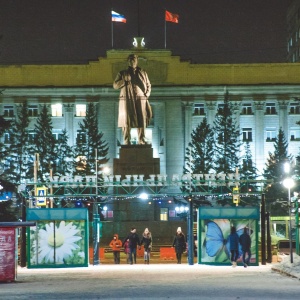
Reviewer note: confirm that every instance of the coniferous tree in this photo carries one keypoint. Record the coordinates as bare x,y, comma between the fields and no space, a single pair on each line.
8,213
199,157
90,140
44,143
276,193
19,147
227,139
248,175
199,154
248,171
4,126
64,152
297,166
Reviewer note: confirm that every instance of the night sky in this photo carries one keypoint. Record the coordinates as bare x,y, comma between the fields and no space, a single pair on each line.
78,31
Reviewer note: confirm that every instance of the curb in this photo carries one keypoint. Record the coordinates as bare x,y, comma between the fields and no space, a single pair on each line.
284,273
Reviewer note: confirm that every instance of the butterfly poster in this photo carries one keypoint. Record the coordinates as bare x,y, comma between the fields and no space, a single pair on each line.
214,239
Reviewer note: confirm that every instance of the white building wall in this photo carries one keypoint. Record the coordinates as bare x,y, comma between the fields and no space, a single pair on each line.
173,116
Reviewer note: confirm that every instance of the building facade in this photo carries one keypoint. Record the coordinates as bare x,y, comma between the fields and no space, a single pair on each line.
264,98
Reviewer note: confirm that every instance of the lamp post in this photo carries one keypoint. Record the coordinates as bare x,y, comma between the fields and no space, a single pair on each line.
289,183
96,218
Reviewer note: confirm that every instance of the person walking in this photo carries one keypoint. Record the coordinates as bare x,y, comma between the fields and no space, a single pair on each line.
127,250
234,246
147,242
134,242
180,244
245,242
116,245
134,108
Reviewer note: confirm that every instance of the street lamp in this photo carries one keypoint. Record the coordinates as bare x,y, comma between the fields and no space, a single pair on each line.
289,183
96,218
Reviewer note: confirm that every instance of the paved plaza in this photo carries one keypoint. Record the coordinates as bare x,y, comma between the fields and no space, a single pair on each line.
154,281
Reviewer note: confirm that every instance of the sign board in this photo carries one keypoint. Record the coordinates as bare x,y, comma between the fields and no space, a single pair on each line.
8,256
235,195
41,193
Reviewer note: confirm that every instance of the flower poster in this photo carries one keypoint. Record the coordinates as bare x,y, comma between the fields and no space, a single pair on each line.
58,243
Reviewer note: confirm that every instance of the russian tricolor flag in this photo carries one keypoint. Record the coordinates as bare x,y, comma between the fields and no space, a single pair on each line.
115,17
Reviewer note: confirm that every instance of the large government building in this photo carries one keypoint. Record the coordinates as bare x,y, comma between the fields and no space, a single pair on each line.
265,99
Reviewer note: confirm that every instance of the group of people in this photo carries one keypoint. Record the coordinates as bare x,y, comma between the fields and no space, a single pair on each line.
245,241
132,242
130,245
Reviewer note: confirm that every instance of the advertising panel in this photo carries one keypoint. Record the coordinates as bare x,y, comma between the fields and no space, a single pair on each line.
7,254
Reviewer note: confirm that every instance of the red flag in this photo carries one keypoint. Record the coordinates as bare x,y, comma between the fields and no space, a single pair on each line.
171,17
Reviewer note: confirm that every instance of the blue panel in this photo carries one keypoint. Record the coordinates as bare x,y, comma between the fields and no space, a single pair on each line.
228,213
35,214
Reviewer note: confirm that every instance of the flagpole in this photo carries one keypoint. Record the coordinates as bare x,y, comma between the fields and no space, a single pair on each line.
165,30
138,7
112,31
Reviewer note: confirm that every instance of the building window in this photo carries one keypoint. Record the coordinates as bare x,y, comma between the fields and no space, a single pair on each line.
247,109
81,137
31,136
32,110
295,134
164,214
247,163
294,109
7,138
80,110
8,111
57,136
198,109
56,110
247,134
271,134
220,108
270,108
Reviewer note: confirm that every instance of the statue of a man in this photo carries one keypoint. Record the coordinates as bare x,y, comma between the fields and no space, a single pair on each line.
134,107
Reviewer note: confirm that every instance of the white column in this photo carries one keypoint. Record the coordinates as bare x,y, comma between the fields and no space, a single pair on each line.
283,117
259,135
69,123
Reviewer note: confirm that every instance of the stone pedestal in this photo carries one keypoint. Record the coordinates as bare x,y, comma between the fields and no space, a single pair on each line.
136,160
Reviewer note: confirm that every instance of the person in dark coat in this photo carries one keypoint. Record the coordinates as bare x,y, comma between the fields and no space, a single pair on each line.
134,108
134,242
234,246
245,242
180,244
146,240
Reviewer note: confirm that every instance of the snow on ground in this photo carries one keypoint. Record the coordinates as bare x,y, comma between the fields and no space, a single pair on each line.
288,268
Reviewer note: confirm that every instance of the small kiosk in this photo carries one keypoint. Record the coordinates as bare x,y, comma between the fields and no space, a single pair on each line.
59,239
214,226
